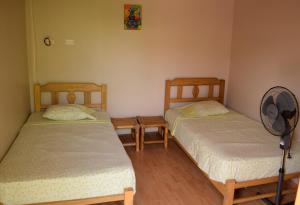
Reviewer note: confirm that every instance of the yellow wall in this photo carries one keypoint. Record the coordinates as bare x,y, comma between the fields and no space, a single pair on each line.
13,72
179,38
265,52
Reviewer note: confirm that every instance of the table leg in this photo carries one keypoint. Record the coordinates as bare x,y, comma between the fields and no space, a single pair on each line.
137,139
142,137
166,137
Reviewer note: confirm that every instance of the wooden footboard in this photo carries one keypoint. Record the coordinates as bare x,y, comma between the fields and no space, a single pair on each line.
229,189
231,186
127,197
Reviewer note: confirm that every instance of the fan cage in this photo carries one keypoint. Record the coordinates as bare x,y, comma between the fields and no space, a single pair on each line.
274,92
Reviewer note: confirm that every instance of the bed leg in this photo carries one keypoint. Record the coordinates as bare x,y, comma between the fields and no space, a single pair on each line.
128,196
229,192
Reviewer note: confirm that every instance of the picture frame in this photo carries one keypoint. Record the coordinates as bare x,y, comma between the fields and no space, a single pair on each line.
132,17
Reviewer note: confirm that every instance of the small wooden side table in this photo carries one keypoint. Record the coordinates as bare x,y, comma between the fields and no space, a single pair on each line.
154,122
129,123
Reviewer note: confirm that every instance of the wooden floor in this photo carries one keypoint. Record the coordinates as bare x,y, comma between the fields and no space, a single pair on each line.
169,177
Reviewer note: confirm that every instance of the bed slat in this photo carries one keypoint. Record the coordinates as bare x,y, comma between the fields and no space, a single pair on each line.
179,92
211,91
195,91
54,98
87,98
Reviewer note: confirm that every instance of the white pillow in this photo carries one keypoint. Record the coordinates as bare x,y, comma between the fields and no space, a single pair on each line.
69,112
202,109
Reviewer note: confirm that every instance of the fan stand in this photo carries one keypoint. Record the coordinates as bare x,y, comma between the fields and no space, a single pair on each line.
284,145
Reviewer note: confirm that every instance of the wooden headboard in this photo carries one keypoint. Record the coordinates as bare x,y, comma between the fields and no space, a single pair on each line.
70,89
180,83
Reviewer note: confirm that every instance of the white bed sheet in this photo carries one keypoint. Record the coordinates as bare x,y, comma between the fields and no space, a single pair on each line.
59,161
231,146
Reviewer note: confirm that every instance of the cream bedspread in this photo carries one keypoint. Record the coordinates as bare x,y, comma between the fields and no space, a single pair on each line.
231,146
61,161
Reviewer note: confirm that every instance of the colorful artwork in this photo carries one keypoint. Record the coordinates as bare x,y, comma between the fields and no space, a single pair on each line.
132,17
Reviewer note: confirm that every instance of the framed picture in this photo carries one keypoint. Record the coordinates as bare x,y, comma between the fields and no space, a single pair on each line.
132,17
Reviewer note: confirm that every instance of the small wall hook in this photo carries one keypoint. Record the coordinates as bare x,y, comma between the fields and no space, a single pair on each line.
47,41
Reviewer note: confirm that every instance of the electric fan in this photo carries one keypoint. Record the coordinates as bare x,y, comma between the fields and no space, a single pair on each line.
279,114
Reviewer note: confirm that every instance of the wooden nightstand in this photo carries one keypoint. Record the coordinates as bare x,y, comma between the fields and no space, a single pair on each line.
129,123
154,122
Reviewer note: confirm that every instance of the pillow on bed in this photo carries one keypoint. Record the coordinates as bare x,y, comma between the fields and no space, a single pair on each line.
69,112
202,109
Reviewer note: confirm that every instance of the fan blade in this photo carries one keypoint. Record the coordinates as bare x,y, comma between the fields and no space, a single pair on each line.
268,101
285,102
279,125
272,112
288,114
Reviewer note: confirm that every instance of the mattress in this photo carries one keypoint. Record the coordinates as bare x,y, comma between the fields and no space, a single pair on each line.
231,146
56,161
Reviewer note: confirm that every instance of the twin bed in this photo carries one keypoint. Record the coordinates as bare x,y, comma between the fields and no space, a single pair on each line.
232,150
67,162
84,162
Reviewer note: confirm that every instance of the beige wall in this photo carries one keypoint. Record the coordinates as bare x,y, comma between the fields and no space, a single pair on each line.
265,52
179,38
13,71
190,39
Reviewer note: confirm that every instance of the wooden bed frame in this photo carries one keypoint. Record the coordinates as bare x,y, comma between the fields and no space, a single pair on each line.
228,189
87,89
